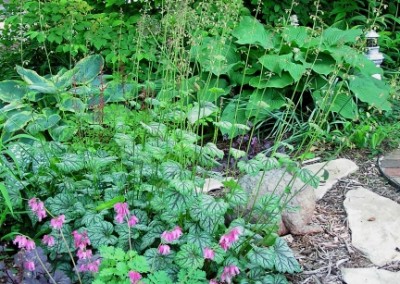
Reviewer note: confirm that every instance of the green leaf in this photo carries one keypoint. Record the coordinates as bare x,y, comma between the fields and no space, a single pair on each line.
191,276
212,150
69,103
87,69
263,257
251,167
176,201
189,257
43,122
275,279
308,177
251,31
263,102
274,62
110,203
155,129
17,121
62,203
158,261
158,277
70,163
297,35
6,197
12,91
274,81
237,154
334,36
285,262
171,170
234,113
341,103
200,240
100,234
236,196
36,82
183,186
91,217
63,132
200,111
208,212
372,91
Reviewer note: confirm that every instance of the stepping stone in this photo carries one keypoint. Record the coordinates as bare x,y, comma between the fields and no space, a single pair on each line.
375,225
337,170
369,276
389,165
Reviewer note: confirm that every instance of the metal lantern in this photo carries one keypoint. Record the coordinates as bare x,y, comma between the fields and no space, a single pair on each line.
373,53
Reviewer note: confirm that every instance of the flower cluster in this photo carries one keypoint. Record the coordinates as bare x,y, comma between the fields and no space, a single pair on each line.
171,236
26,244
122,210
86,260
57,222
134,277
229,272
37,207
229,238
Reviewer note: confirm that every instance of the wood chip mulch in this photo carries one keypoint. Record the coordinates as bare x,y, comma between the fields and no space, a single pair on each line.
323,255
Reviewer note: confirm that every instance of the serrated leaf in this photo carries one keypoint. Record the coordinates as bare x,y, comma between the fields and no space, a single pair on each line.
212,150
237,154
308,177
285,262
263,257
177,202
62,203
298,35
158,261
191,276
251,31
189,257
208,212
200,240
100,234
183,186
158,277
274,62
275,279
250,167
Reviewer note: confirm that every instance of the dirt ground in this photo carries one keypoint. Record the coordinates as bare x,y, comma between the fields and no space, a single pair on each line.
323,255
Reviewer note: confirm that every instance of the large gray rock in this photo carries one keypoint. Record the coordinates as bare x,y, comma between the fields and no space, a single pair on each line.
375,225
337,170
370,276
301,196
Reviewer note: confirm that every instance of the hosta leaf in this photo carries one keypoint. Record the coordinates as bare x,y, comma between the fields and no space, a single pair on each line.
251,31
201,110
251,167
308,177
372,91
100,234
62,203
12,91
62,133
36,82
87,69
275,279
43,122
70,163
72,104
155,128
189,257
285,262
17,121
263,257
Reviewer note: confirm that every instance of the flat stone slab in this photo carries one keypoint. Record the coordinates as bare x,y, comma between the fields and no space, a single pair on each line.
337,170
389,165
375,225
370,276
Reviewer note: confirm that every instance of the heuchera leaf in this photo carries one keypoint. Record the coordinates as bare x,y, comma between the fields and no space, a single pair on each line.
100,234
285,262
263,257
189,257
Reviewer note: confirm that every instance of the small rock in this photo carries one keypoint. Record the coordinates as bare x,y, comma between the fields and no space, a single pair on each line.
375,225
370,276
337,170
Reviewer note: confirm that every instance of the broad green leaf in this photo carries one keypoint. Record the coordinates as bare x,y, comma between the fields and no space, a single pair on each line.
295,70
63,79
274,81
87,69
297,35
36,82
237,154
324,64
251,167
155,128
275,63
308,177
110,203
17,121
70,163
251,31
234,113
285,262
171,170
185,187
189,257
236,196
62,133
155,231
91,217
69,103
177,202
208,212
200,111
212,150
62,203
100,234
372,91
264,257
334,36
12,91
158,261
263,102
341,103
275,279
43,122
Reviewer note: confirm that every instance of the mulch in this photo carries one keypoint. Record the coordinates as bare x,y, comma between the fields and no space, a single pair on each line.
323,255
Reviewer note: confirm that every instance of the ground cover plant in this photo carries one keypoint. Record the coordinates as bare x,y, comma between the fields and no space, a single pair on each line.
118,112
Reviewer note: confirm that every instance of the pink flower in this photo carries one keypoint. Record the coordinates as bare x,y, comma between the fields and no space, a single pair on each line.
80,240
24,242
57,222
208,253
229,272
228,239
213,281
122,210
29,265
48,240
134,277
164,249
93,266
84,253
133,220
37,208
170,236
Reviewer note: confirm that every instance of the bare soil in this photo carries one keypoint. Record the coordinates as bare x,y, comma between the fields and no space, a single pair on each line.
323,255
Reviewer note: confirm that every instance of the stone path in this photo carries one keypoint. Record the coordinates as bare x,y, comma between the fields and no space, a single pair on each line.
389,165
